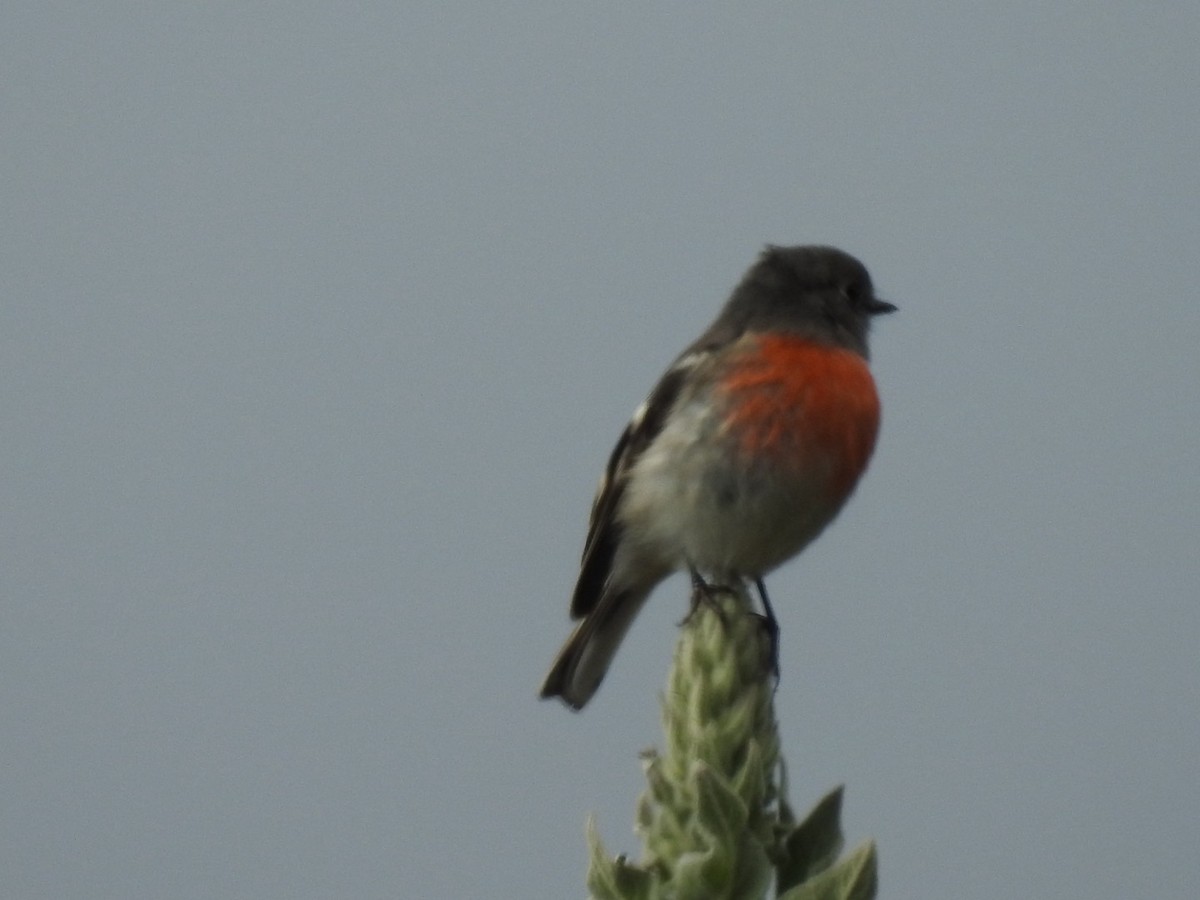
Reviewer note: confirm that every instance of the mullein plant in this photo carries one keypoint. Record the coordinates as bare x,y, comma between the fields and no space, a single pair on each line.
714,821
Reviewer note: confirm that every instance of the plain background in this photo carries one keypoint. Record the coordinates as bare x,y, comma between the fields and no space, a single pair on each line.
319,320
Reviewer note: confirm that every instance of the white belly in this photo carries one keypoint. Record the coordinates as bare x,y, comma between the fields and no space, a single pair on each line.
692,507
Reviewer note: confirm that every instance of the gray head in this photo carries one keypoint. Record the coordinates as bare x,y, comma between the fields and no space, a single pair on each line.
819,292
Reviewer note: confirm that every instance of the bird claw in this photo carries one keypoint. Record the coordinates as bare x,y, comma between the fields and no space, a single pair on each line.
705,594
771,627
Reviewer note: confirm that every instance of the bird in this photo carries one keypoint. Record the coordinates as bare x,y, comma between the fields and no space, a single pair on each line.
741,455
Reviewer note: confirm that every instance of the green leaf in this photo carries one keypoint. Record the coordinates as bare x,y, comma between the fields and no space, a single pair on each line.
751,780
660,787
813,845
854,878
721,811
614,879
753,874
700,876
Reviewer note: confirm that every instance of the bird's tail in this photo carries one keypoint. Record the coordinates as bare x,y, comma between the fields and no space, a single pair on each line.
584,658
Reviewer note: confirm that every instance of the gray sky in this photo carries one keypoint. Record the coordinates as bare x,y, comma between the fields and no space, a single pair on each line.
319,322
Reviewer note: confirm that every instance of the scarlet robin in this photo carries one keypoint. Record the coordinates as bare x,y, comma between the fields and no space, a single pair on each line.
745,450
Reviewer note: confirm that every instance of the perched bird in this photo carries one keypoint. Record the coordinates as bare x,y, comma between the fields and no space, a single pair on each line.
744,451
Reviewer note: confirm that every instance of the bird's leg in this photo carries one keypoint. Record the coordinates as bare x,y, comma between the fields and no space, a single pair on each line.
771,624
704,594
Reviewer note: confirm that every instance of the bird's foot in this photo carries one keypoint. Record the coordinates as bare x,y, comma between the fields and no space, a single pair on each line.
707,595
771,627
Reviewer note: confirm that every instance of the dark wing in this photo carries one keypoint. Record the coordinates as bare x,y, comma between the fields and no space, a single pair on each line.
604,532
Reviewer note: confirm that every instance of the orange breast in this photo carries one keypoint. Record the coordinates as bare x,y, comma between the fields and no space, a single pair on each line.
803,404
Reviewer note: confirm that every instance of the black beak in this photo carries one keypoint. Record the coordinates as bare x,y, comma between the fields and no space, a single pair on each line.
878,307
